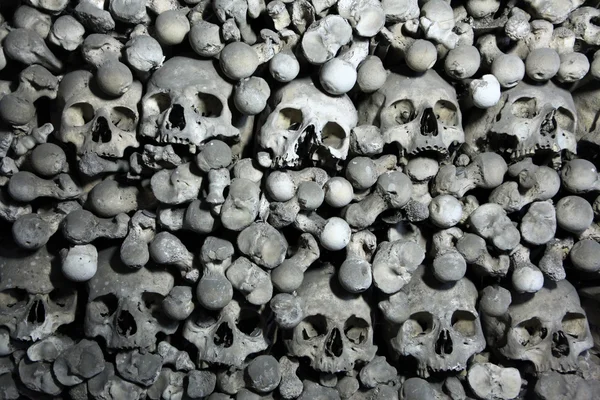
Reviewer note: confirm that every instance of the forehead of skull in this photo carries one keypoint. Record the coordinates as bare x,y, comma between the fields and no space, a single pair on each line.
440,297
81,85
322,294
551,302
34,271
180,73
426,88
114,277
547,93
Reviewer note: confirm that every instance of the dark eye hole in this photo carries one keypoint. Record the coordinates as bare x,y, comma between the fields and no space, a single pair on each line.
207,105
530,332
313,326
333,135
420,323
289,119
205,319
157,103
574,324
106,305
13,298
356,330
464,322
123,118
403,112
249,322
446,113
525,107
79,114
62,297
153,303
565,119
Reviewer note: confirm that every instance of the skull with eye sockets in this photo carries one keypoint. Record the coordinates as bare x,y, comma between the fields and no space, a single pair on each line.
420,114
528,120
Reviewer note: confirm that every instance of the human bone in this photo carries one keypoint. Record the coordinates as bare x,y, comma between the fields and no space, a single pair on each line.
166,248
394,263
288,276
490,381
250,280
73,365
137,367
83,227
177,358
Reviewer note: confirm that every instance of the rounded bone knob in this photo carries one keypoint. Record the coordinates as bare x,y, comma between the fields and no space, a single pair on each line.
114,78
238,60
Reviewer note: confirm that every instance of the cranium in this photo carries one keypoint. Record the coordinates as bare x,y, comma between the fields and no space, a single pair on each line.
307,123
547,328
94,123
443,329
588,128
337,329
124,305
35,299
528,119
228,338
417,113
187,101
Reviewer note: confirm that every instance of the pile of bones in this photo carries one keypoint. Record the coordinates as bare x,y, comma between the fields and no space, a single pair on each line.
299,199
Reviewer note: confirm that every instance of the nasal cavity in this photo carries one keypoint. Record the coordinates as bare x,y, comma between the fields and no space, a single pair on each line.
429,125
549,123
334,345
223,336
560,345
443,345
37,313
126,325
177,117
101,131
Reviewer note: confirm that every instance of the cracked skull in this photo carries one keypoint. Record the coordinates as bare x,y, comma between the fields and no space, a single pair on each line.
229,337
419,114
337,329
548,328
34,297
443,332
528,119
94,123
187,102
124,305
306,123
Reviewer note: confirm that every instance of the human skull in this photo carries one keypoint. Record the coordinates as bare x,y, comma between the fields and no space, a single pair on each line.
337,329
528,119
93,122
443,329
420,114
187,102
305,122
548,328
124,305
35,299
229,337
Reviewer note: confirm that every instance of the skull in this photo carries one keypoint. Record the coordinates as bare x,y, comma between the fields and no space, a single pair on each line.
124,305
35,299
588,128
337,329
94,123
547,328
420,114
528,119
306,121
444,330
187,102
229,337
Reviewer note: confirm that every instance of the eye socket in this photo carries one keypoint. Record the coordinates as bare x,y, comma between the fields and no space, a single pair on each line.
313,326
13,299
565,119
289,119
153,303
333,135
400,112
123,118
464,322
62,297
446,112
106,305
420,323
249,323
530,332
157,103
79,114
574,324
356,330
207,105
525,107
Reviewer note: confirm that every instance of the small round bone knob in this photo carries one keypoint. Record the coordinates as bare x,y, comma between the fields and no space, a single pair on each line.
333,233
83,227
264,373
355,273
178,305
288,276
80,263
114,78
171,27
421,55
580,176
48,159
214,290
238,60
29,48
26,187
166,248
287,309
